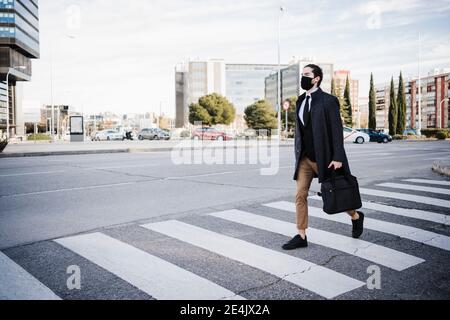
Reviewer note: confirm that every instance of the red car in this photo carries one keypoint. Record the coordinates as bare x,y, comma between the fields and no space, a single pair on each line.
210,134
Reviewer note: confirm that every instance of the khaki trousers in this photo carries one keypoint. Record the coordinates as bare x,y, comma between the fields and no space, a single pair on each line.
307,169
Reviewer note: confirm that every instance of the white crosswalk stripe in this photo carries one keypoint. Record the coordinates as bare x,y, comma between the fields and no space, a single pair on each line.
415,188
167,281
152,275
407,197
410,213
402,231
372,252
435,182
18,284
315,278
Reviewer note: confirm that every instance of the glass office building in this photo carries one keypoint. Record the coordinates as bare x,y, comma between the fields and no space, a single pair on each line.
291,81
246,83
19,43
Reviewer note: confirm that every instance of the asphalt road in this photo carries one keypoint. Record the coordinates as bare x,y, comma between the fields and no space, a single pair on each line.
107,199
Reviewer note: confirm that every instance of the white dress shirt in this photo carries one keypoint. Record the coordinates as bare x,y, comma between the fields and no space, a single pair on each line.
302,108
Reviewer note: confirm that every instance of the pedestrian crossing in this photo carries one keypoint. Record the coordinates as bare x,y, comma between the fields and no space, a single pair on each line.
167,281
164,280
17,284
402,231
378,254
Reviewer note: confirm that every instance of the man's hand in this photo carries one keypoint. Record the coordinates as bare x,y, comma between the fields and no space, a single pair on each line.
336,165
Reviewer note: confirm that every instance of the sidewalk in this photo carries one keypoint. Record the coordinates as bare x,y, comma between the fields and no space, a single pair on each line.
442,167
40,149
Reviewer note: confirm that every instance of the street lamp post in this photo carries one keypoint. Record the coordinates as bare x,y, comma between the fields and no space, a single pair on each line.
279,73
7,98
439,126
419,131
58,129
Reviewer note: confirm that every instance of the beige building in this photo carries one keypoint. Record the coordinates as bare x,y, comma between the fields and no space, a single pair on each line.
362,117
435,101
340,81
193,80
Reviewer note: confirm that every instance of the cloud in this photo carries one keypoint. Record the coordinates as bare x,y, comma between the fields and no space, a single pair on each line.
124,53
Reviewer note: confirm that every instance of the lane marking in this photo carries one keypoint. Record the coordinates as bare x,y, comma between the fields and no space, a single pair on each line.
415,188
402,231
410,213
154,276
320,280
67,189
17,284
436,182
406,197
390,258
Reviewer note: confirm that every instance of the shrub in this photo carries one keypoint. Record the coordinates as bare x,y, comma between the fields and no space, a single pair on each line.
432,133
442,135
399,137
39,137
3,144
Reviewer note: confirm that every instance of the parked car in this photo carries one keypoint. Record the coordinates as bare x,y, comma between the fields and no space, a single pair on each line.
108,135
377,136
153,134
355,136
248,134
210,134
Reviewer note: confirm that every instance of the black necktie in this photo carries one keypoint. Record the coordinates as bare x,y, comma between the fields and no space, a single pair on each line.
306,111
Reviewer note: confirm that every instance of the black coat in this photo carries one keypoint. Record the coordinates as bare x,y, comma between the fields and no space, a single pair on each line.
328,134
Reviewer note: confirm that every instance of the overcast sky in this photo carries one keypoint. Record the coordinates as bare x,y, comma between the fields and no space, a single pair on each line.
120,55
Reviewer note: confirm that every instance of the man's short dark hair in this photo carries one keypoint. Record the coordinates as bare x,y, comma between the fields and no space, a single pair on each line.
317,71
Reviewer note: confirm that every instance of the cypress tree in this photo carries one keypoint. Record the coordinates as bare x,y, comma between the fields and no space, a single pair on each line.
393,110
401,101
372,105
348,104
343,107
333,88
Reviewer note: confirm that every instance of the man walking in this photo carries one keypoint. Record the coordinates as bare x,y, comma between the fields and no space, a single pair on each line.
319,148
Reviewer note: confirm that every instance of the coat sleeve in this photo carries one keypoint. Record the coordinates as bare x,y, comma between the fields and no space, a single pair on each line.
337,130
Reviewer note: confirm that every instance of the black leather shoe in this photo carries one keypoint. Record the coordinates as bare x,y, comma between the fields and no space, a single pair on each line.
358,226
296,242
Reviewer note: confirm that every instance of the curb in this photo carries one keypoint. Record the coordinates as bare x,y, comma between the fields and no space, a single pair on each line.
129,150
441,168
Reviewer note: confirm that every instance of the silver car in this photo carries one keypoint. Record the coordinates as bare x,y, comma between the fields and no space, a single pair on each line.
108,135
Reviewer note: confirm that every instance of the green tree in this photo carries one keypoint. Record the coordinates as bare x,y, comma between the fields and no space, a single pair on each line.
372,105
333,87
212,109
393,118
199,114
291,113
348,104
261,115
401,104
343,107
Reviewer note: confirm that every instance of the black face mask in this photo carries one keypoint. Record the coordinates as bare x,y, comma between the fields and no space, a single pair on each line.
307,83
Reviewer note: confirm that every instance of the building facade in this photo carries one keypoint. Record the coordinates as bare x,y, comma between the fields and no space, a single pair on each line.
19,43
245,83
193,80
291,81
241,84
435,101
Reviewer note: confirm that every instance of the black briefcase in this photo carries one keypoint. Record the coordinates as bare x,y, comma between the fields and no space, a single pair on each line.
340,193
